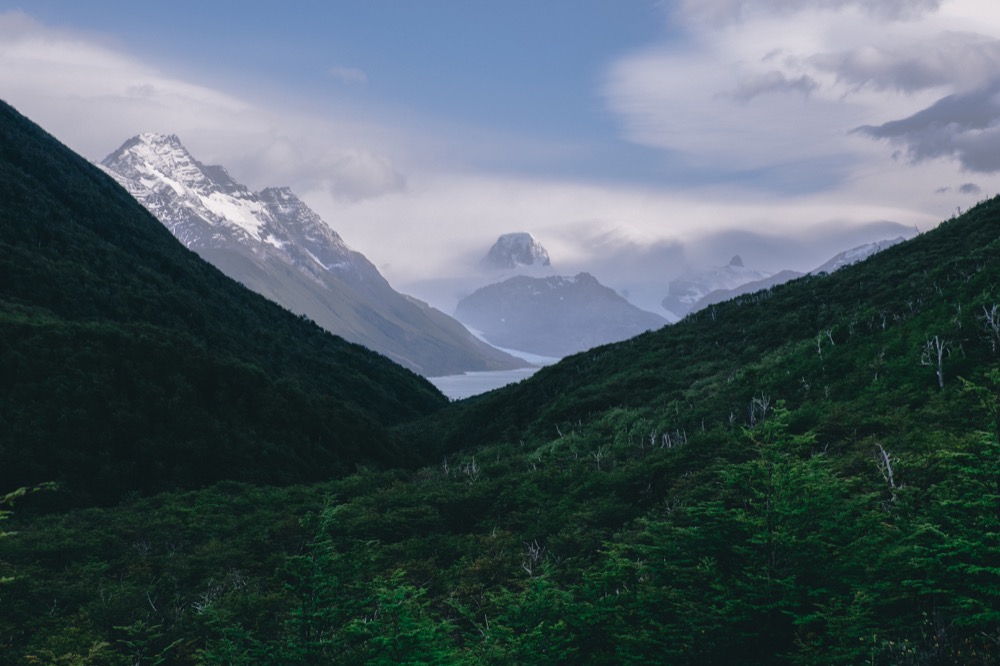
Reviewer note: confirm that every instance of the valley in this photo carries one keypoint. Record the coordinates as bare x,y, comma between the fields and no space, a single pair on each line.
804,474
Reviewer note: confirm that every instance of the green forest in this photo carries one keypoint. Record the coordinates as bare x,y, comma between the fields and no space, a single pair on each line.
191,475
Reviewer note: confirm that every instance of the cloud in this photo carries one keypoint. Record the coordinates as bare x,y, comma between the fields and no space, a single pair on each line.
94,97
947,59
405,196
361,174
772,82
970,188
964,127
767,93
348,74
732,11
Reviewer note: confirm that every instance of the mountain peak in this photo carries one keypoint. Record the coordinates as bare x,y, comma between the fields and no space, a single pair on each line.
553,316
274,243
154,138
516,249
737,260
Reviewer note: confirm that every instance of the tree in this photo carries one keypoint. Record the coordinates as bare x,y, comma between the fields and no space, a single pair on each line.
933,355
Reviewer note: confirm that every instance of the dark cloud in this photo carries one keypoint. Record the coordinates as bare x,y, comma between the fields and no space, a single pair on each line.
970,188
734,11
917,66
964,126
770,83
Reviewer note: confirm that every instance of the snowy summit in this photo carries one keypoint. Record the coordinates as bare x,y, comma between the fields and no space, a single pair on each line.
514,250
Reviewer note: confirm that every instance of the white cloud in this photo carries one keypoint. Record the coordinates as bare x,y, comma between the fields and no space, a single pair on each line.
746,96
773,86
94,97
946,60
635,239
732,11
360,174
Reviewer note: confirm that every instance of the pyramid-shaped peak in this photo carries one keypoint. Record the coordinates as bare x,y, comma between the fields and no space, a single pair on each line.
151,142
736,261
149,145
155,138
516,249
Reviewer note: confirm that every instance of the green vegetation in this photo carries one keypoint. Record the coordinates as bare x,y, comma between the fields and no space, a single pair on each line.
807,475
129,364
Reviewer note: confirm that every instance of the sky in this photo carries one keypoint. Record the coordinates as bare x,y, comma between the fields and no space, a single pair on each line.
635,139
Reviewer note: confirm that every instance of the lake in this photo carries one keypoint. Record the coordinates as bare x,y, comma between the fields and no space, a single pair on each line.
469,384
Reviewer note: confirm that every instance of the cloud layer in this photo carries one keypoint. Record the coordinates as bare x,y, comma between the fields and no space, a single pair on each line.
965,127
748,106
767,84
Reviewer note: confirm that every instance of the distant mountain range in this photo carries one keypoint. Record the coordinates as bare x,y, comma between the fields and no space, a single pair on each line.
854,255
276,245
696,291
553,316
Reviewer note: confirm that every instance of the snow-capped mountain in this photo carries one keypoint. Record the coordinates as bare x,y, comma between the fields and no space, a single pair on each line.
856,254
516,250
685,292
553,316
845,258
276,245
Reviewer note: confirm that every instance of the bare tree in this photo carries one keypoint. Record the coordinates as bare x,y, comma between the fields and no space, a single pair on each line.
884,460
471,470
933,355
991,318
758,409
598,456
532,557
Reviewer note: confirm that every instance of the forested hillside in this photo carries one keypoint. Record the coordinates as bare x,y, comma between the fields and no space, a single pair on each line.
806,475
129,364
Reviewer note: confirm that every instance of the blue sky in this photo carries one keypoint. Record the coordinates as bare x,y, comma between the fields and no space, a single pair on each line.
633,138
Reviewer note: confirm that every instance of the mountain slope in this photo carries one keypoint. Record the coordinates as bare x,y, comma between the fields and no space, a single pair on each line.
274,244
793,478
855,254
553,316
753,335
131,364
838,261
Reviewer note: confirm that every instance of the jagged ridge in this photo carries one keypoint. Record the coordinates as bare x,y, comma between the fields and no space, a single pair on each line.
275,244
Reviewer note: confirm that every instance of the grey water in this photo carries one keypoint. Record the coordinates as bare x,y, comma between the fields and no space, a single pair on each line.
469,384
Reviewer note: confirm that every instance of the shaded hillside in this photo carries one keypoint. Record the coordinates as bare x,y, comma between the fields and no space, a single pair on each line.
131,364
